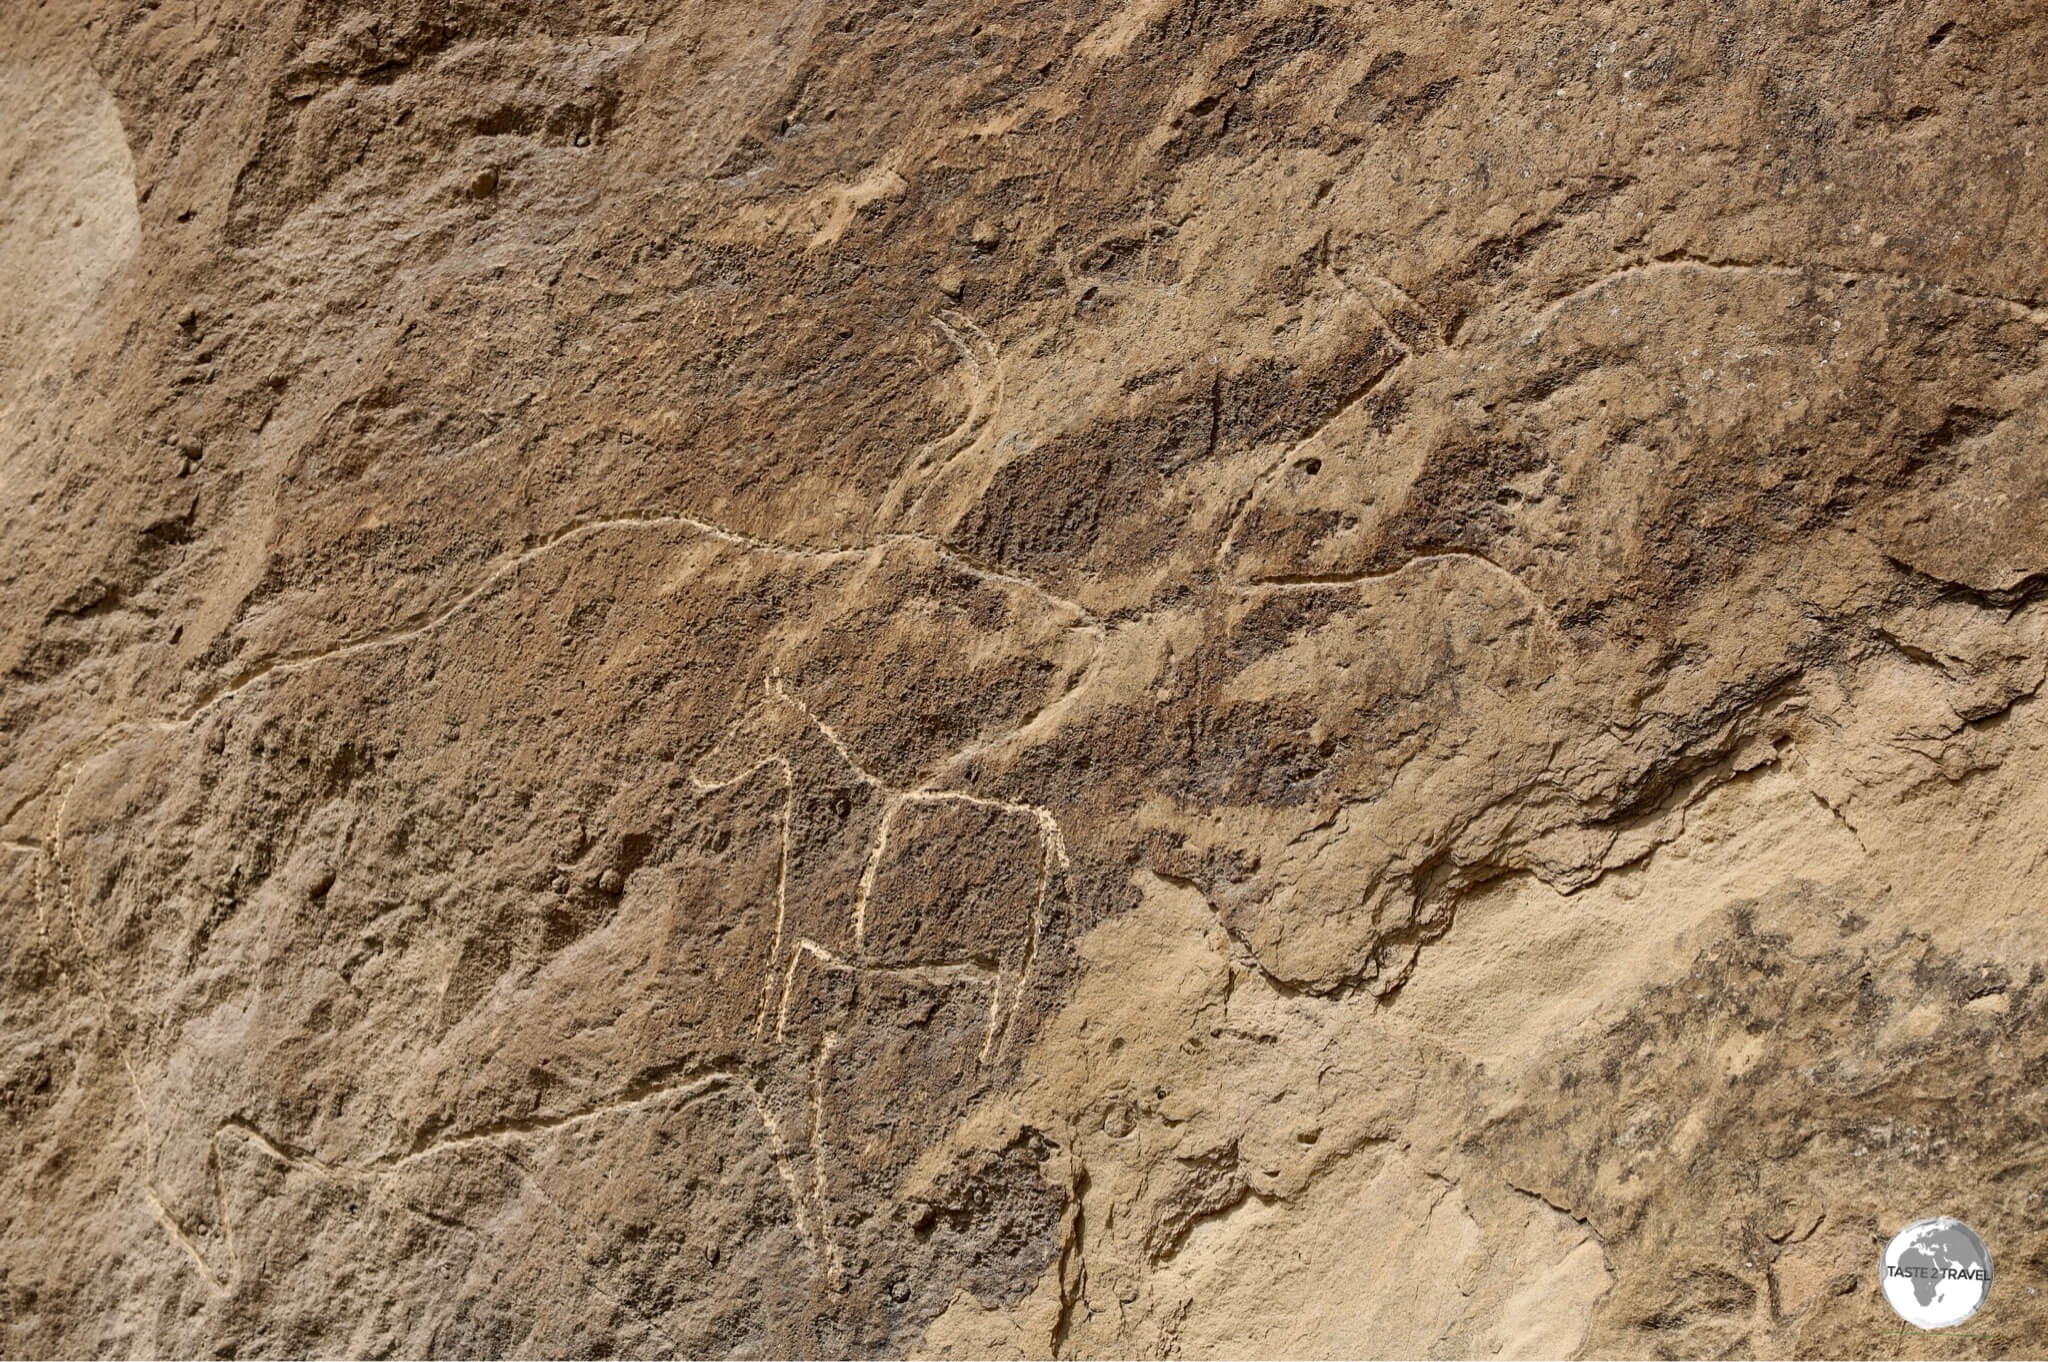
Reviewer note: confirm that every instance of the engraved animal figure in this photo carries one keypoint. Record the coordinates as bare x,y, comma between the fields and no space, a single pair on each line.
921,882
891,902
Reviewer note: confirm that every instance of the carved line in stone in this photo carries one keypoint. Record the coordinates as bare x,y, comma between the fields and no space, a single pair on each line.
680,1092
835,1266
590,1277
1313,581
1279,461
787,956
54,885
674,520
54,845
2031,310
1266,474
985,402
72,773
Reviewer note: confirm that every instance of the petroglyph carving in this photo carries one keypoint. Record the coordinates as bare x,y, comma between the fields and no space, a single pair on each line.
912,848
930,889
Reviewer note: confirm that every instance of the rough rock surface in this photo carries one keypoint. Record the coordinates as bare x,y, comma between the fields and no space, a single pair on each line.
1177,677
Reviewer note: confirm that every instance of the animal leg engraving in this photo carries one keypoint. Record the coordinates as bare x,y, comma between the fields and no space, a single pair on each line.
835,1266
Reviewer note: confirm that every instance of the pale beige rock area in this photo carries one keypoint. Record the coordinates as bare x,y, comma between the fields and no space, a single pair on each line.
1209,678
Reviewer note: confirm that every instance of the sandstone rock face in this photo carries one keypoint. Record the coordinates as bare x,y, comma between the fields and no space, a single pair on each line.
1019,677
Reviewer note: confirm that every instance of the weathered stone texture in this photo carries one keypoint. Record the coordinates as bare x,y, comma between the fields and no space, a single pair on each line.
1205,677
